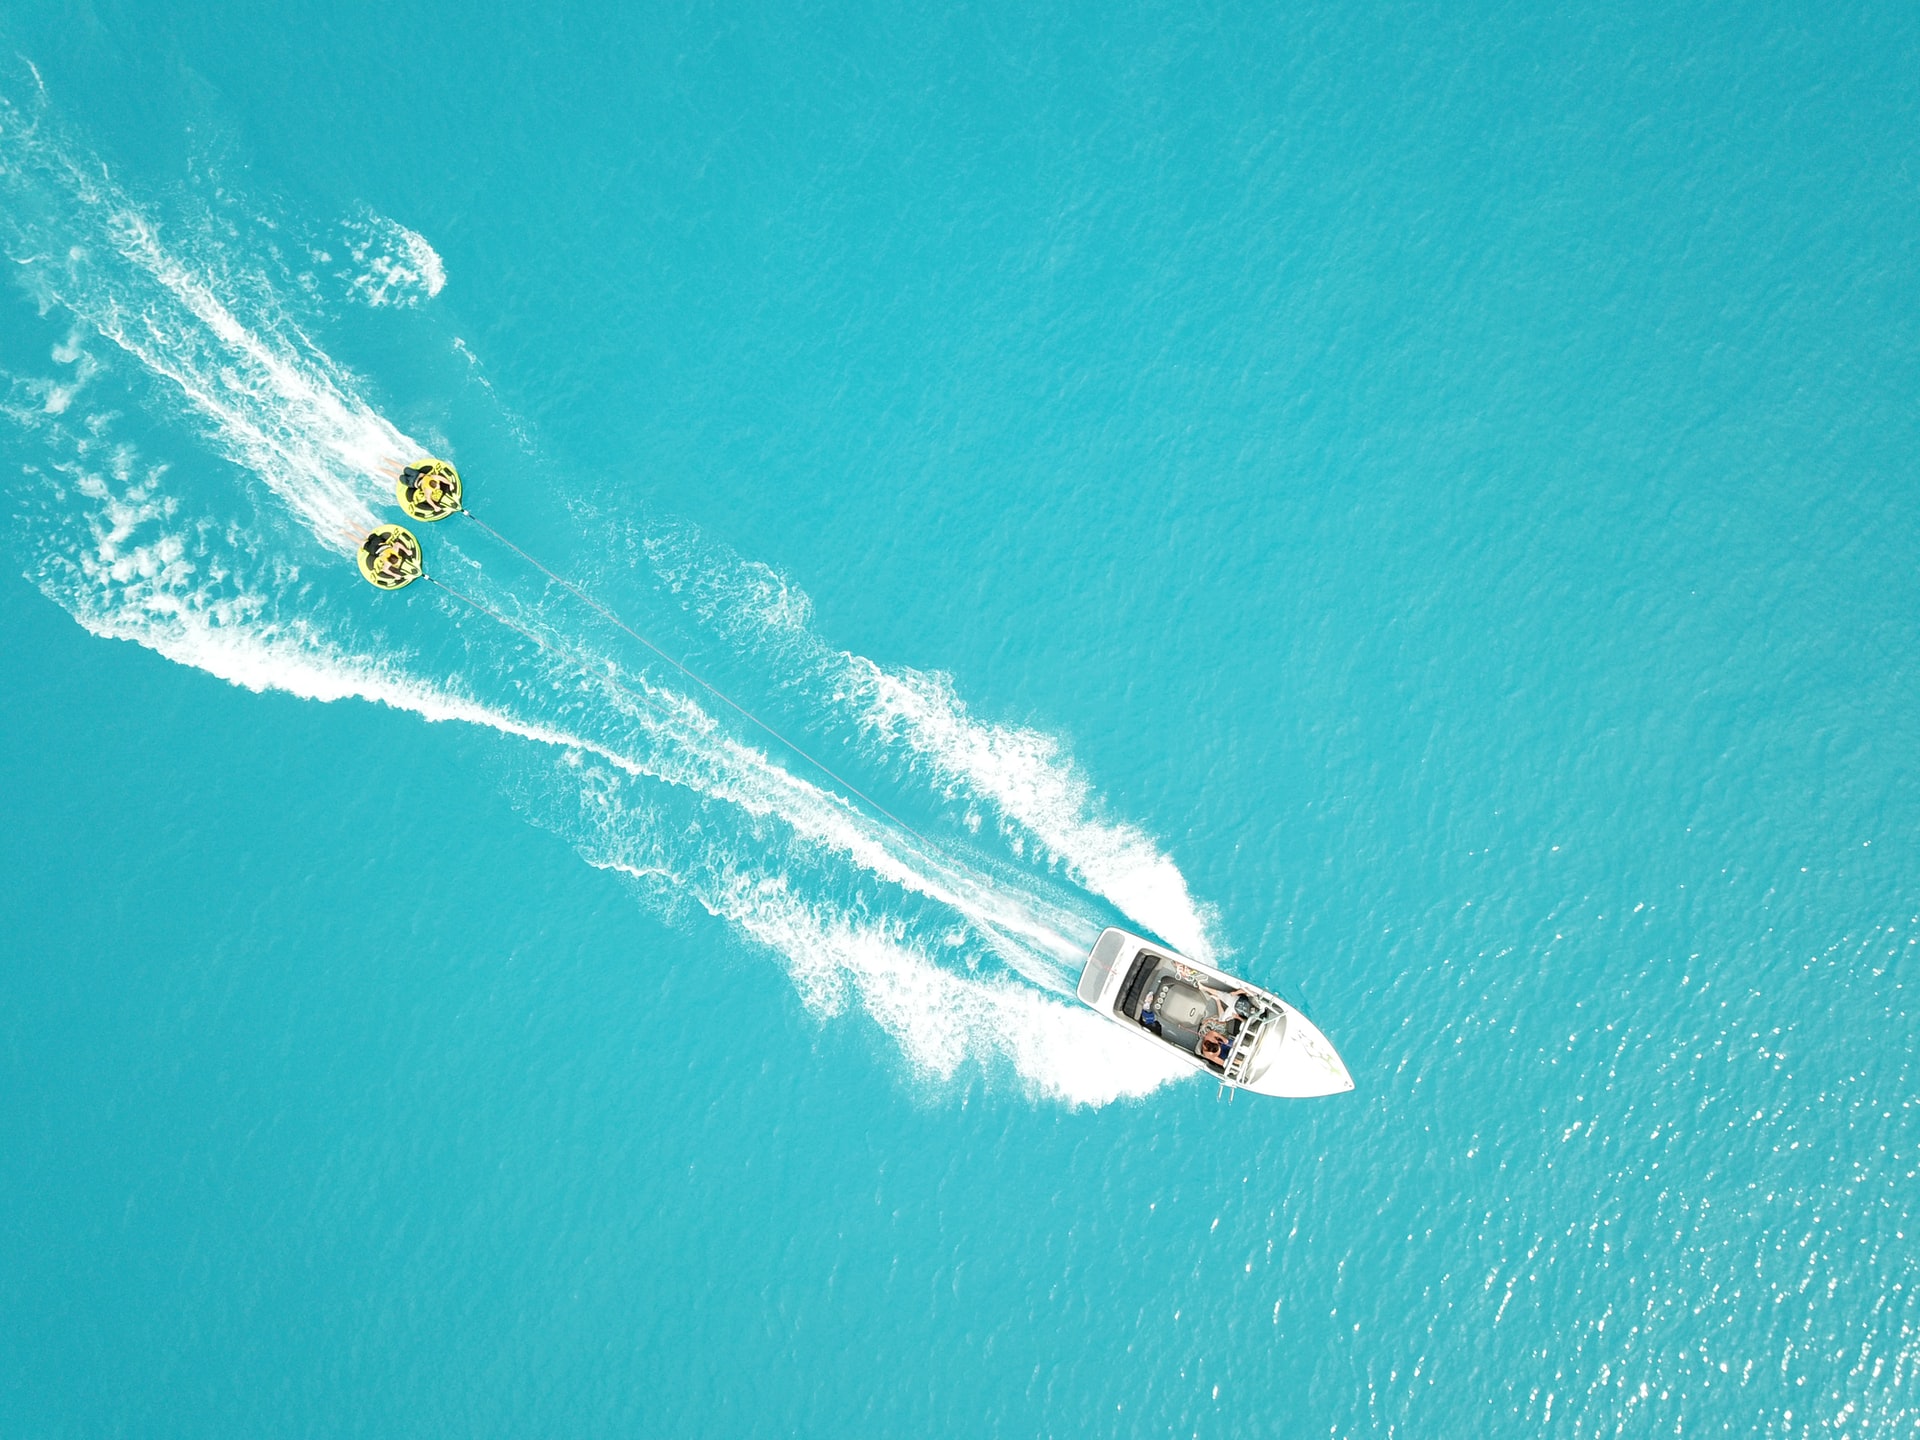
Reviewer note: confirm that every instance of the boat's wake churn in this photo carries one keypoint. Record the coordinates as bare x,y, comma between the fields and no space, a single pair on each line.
198,466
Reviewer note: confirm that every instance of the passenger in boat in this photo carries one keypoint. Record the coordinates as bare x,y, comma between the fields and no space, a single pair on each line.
1214,1047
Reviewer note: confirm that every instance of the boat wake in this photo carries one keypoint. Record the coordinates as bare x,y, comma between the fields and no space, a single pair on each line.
193,337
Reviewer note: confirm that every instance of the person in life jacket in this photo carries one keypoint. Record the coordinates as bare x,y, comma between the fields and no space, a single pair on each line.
390,558
429,490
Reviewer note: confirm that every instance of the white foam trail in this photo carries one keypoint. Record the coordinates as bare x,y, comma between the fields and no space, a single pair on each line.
1040,795
401,267
269,401
146,592
1035,785
139,581
940,1019
267,407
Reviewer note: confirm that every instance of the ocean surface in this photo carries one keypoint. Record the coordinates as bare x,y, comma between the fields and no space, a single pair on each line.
1418,503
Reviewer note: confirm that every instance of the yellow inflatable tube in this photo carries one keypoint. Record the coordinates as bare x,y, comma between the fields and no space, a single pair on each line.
390,558
428,490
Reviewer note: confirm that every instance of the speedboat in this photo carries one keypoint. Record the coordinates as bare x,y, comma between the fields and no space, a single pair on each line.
1243,1036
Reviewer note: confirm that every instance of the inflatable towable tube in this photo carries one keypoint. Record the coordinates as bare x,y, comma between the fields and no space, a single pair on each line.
390,558
429,490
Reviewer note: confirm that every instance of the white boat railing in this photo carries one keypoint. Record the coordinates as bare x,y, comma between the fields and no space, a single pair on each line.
1234,1072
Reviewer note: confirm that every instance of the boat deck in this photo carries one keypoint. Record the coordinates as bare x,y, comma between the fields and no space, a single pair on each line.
1183,1007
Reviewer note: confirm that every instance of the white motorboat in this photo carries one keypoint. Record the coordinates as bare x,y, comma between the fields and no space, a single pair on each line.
1243,1036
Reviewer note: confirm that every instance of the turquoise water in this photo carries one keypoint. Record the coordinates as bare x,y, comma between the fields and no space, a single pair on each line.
1418,503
